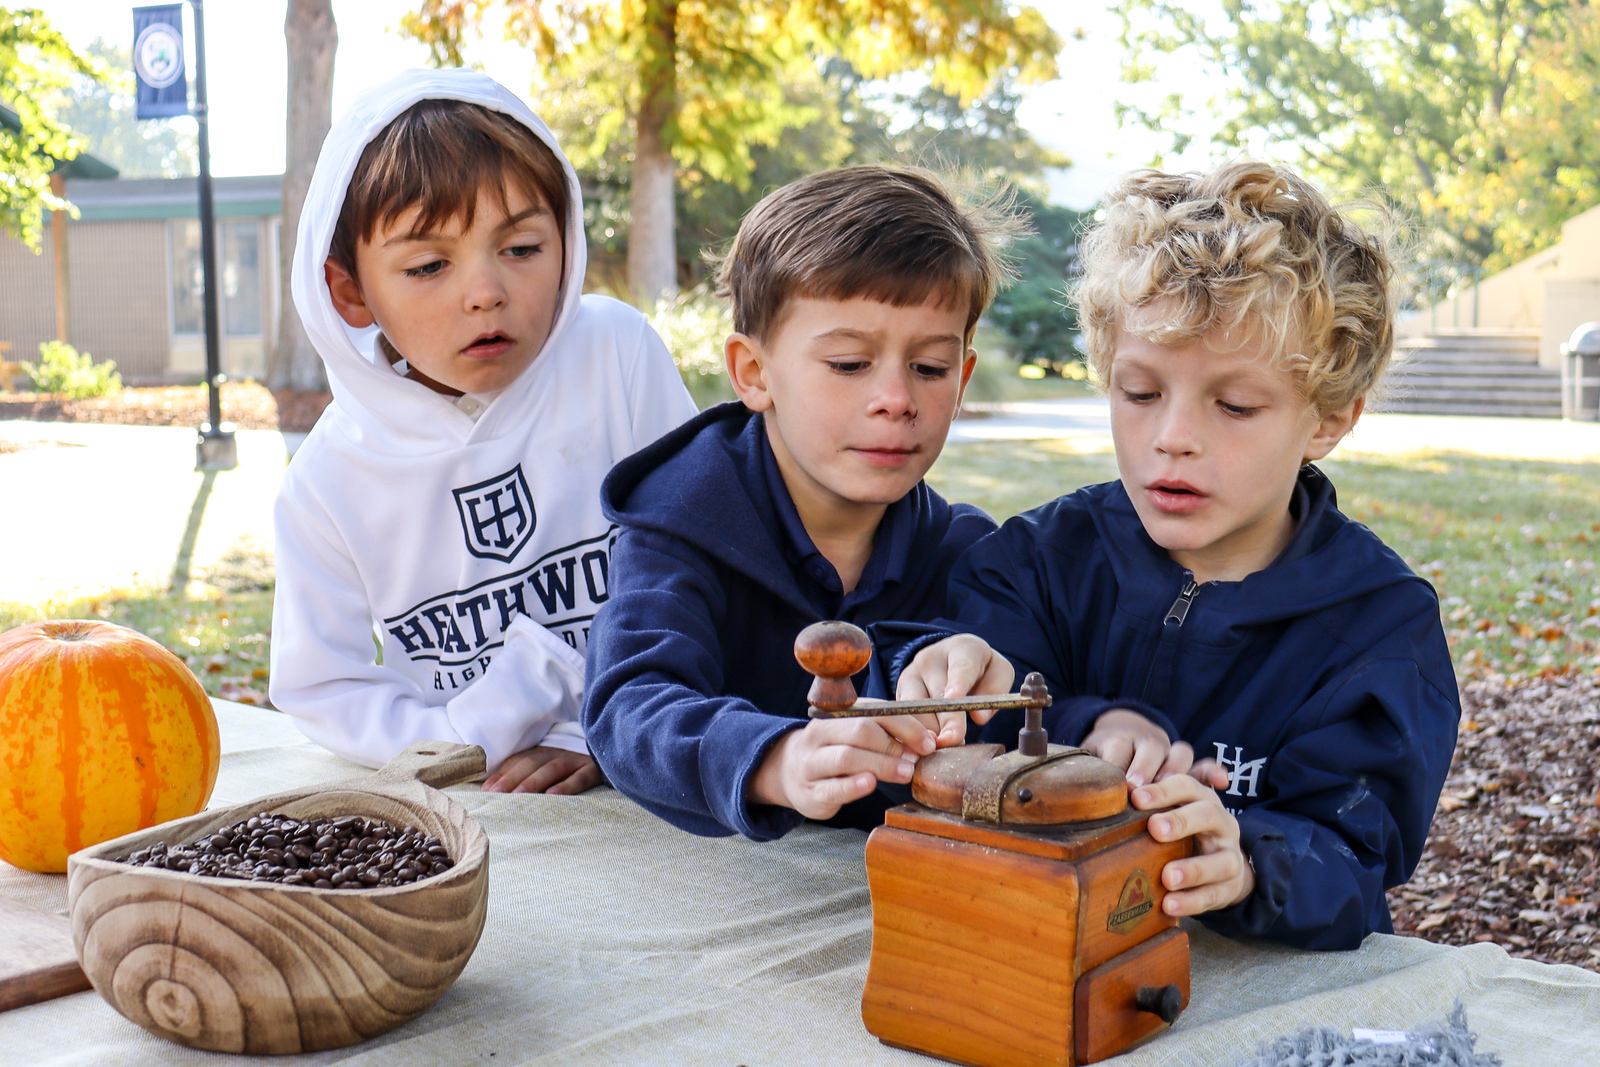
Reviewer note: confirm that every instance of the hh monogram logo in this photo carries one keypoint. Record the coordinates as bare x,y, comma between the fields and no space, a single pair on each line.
497,515
1240,771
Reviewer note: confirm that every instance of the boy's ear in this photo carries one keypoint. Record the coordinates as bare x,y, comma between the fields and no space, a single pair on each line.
346,294
1332,429
747,371
969,363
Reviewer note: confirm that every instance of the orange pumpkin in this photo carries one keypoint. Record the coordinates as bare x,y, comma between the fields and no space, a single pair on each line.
102,732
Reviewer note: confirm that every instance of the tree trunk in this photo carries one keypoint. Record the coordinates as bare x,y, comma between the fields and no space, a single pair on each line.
652,234
63,273
312,38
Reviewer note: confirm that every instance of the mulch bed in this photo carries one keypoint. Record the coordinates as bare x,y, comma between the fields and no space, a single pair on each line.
247,405
1514,855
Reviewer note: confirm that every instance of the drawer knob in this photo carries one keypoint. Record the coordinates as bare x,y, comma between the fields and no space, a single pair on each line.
1163,1001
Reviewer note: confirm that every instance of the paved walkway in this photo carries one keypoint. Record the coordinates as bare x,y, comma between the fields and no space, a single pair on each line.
89,508
1086,422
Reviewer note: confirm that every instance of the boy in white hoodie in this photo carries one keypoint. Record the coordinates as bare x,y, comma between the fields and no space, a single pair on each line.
440,544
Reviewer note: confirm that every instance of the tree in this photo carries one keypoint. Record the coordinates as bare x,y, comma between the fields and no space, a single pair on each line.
100,111
1033,313
700,82
1474,116
313,38
36,62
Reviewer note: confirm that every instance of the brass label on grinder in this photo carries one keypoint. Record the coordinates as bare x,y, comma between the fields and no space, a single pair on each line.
1137,901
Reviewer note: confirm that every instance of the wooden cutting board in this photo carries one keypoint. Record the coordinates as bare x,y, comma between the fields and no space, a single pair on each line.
37,961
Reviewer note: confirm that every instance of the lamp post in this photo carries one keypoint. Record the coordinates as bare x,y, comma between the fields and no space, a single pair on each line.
216,449
161,92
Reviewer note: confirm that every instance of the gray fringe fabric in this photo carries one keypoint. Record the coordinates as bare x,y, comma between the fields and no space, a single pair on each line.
1433,1045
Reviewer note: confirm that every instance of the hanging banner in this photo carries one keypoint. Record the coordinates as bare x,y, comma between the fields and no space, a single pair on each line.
163,91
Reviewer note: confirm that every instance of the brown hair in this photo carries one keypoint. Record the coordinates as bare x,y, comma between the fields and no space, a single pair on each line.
1250,249
438,154
890,234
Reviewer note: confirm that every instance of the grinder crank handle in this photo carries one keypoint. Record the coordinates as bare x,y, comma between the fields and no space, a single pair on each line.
835,651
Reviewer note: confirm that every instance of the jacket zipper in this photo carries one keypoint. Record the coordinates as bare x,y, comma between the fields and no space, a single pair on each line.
1165,653
1180,607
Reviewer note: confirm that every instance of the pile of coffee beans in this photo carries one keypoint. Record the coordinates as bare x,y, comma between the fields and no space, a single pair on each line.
351,852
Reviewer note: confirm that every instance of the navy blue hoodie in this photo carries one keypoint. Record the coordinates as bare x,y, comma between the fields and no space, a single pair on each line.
1322,683
691,672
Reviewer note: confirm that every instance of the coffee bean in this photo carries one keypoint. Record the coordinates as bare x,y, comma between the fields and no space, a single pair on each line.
350,852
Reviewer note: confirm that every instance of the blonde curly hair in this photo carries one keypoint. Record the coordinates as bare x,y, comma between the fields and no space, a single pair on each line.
1253,251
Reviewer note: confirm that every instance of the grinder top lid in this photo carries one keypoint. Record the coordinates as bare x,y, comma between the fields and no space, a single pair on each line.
985,783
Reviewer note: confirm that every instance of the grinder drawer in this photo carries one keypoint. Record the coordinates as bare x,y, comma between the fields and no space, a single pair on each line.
1131,997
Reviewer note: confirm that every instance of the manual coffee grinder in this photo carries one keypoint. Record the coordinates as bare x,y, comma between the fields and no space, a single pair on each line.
1016,905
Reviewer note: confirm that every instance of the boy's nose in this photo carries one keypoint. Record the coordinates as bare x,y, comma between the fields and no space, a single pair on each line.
484,291
1175,434
893,395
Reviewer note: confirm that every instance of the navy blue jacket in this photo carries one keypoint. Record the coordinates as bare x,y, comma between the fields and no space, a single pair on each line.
1323,684
691,672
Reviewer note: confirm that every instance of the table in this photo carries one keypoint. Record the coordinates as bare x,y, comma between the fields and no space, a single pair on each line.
614,938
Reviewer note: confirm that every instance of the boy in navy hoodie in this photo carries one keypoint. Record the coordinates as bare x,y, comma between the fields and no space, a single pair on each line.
855,293
1215,600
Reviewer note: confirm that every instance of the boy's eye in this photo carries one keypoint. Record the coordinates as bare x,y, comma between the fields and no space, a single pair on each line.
427,270
1236,410
847,366
524,251
1138,398
931,371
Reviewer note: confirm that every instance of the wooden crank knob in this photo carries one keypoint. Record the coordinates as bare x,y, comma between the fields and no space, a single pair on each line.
1163,1001
833,652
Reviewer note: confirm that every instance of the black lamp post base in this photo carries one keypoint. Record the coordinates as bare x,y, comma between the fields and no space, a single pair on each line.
216,450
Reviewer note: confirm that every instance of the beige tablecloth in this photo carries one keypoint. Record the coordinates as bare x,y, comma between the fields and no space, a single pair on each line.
613,938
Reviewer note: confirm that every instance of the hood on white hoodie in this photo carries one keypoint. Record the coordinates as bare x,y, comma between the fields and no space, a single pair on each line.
387,410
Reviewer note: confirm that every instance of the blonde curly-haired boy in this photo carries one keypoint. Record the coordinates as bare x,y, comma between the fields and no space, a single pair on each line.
1214,601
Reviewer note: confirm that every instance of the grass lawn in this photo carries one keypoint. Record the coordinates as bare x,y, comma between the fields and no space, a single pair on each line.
1510,545
220,625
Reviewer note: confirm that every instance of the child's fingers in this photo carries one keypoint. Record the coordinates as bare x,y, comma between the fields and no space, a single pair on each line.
1169,792
1198,901
1196,871
828,795
1148,753
546,776
508,774
1200,817
843,761
1113,748
952,729
912,733
997,677
585,778
967,663
1211,773
912,686
1179,759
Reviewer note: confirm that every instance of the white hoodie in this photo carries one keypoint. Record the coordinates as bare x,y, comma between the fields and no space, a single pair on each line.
474,550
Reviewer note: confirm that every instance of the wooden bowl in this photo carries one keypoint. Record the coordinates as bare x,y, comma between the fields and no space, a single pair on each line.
260,967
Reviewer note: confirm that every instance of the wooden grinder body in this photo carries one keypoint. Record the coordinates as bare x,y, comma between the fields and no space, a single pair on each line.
1002,947
1016,907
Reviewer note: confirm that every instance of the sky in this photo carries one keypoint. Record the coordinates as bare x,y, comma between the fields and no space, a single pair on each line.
245,68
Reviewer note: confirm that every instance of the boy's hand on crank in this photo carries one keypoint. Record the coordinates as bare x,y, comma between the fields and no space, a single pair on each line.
830,762
958,666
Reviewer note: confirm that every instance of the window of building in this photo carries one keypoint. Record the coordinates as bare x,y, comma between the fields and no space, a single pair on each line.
239,264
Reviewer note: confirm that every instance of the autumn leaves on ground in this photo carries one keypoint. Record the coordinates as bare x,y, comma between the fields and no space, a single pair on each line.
1511,546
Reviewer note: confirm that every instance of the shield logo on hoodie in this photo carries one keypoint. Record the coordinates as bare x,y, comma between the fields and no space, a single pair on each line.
496,515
